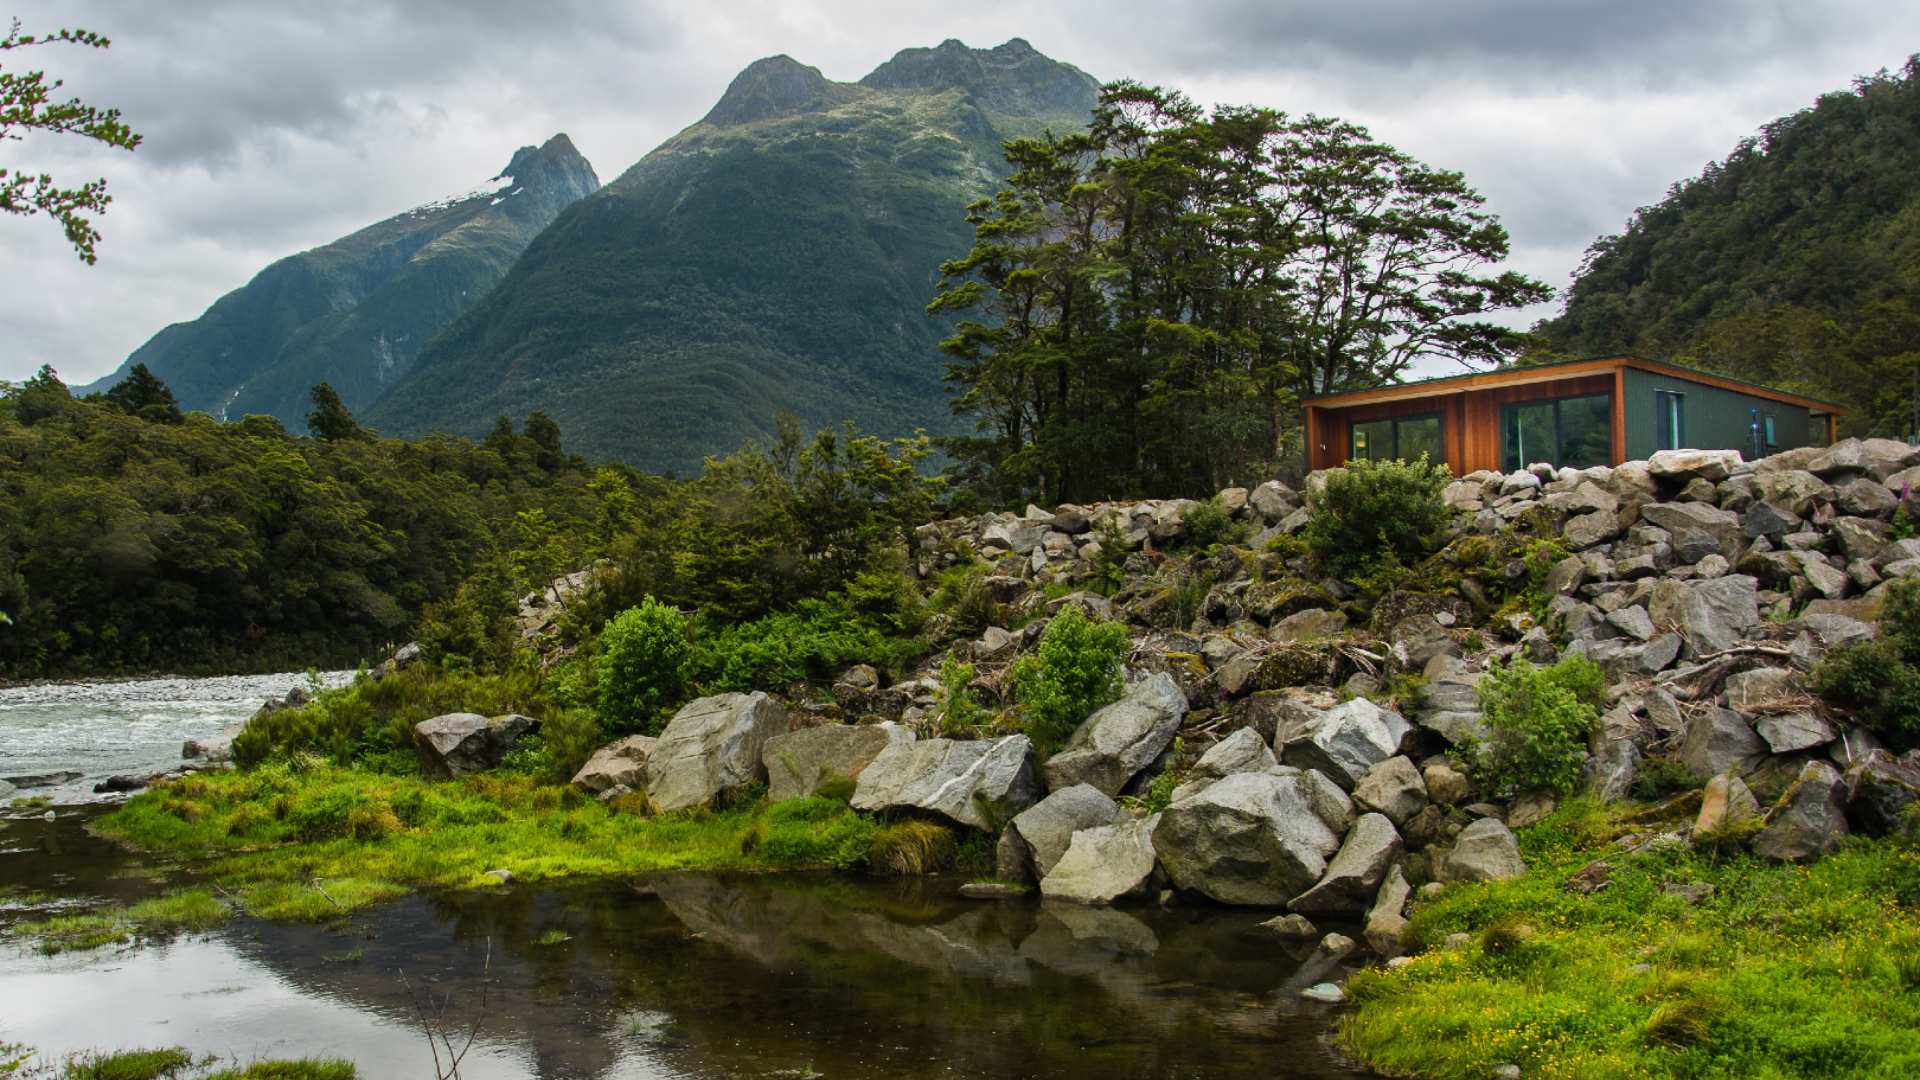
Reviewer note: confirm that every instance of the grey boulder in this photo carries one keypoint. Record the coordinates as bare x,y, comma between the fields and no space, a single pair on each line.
1485,851
1810,818
1046,828
981,784
623,761
797,762
1394,787
1880,788
1119,740
457,744
1370,849
1104,864
1254,839
1345,741
1712,615
711,750
1718,740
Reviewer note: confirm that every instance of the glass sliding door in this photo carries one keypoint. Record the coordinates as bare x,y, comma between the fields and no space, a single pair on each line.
1402,437
1573,432
1670,420
1529,434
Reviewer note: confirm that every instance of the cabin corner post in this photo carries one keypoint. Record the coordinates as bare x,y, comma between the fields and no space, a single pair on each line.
1316,454
1619,413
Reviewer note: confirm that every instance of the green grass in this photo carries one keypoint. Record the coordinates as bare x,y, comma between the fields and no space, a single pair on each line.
1786,971
163,916
317,841
130,1065
294,1069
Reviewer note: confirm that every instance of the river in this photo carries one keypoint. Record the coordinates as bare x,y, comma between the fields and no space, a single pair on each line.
684,975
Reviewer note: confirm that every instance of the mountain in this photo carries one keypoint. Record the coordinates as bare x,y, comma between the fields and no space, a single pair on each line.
356,312
1794,262
778,254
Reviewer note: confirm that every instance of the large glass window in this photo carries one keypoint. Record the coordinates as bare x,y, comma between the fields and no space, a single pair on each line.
1401,437
1574,432
1670,420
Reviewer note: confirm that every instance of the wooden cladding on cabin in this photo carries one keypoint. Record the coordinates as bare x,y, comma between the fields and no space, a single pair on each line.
1470,419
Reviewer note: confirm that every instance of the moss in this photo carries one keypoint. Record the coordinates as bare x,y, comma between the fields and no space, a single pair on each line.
289,862
1633,982
163,916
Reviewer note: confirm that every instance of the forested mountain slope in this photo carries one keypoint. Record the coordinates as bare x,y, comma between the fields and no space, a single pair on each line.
356,312
1794,262
779,254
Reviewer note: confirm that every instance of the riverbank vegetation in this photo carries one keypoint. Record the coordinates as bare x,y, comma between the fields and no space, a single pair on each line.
158,918
1665,962
167,1063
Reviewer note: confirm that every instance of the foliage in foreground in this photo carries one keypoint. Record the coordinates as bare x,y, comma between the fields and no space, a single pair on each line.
305,840
1784,971
167,1063
1537,723
1879,681
1074,670
1377,510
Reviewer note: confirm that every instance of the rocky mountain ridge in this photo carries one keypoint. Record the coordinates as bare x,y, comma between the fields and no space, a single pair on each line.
356,312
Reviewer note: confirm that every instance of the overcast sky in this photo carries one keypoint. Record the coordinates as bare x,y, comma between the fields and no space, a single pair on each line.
271,128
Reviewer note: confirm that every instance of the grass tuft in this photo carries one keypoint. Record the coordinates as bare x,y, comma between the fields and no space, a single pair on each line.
912,848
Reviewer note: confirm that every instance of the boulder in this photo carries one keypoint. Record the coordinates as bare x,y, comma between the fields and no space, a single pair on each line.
1725,802
798,761
1244,751
1589,530
1313,624
1253,838
1786,732
1880,788
1865,498
712,750
1273,500
1718,740
1712,615
1485,851
1104,864
981,784
1679,466
457,744
1387,918
1445,785
1121,739
1291,927
1810,818
1345,741
1394,787
1370,849
623,761
1046,827
1750,691
1722,526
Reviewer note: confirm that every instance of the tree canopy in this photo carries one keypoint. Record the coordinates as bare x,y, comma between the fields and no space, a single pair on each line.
1794,262
1150,299
26,105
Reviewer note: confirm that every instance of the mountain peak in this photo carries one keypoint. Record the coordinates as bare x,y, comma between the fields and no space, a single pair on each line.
555,162
770,87
1013,77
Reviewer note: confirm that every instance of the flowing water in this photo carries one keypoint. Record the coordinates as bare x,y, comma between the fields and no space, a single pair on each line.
683,975
129,727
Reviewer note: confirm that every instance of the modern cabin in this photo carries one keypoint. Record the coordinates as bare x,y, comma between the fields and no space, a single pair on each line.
1577,413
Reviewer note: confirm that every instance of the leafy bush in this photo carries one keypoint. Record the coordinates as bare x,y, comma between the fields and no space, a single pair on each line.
959,713
1208,523
961,593
814,641
1537,722
1074,670
1372,508
644,654
370,722
1879,681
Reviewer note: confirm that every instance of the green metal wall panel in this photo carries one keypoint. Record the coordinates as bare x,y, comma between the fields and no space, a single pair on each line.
1716,419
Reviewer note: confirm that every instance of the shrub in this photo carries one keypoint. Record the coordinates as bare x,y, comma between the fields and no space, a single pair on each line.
1074,670
1879,681
644,655
1207,524
959,713
1537,722
814,641
1372,508
961,592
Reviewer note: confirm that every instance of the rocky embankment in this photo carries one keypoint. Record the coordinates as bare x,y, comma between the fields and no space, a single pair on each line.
1706,588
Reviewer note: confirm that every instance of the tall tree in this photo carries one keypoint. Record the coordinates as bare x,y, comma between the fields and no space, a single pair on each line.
1154,296
146,395
330,419
27,104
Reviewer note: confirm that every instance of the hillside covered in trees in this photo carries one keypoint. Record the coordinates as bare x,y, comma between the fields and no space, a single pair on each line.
1795,261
